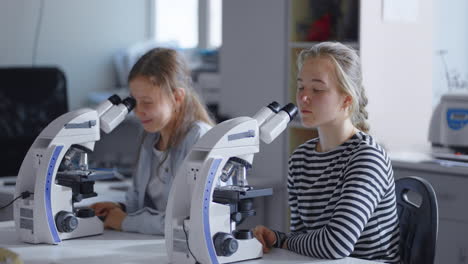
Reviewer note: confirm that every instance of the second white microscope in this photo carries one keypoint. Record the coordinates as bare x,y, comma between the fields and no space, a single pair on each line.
54,175
210,194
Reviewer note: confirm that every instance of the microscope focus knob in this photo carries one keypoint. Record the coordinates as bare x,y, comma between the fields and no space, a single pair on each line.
236,217
66,222
85,213
225,244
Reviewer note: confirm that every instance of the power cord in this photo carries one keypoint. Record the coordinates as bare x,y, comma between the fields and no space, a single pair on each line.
186,240
23,195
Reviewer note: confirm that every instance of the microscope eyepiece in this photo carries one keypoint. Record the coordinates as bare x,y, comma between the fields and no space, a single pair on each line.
130,103
267,112
277,123
291,109
114,99
116,114
274,106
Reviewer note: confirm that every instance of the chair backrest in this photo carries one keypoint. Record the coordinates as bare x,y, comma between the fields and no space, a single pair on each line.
30,98
418,216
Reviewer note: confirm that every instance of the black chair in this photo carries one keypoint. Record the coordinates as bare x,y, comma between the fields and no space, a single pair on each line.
418,216
30,98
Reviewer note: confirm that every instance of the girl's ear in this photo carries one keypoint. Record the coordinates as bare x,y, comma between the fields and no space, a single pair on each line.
347,102
179,96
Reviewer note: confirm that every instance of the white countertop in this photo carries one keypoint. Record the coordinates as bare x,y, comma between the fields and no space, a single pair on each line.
122,247
424,161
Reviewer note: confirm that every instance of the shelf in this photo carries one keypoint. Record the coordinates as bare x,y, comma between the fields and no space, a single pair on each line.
309,23
324,20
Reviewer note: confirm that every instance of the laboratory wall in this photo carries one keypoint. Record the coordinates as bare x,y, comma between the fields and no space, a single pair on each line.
80,37
450,47
253,67
397,63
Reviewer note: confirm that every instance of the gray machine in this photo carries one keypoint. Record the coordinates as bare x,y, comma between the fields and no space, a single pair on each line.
448,131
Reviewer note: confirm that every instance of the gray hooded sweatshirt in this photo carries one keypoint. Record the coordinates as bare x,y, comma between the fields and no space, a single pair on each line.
145,214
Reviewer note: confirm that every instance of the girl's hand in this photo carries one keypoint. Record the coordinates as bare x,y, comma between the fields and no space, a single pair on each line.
115,218
102,208
266,236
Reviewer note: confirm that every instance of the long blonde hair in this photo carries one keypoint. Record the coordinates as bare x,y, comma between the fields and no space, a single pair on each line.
167,69
348,70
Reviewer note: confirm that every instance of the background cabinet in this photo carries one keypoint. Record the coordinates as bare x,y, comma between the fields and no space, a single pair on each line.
449,184
310,22
261,39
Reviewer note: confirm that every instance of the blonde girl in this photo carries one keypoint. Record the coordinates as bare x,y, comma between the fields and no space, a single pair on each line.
340,184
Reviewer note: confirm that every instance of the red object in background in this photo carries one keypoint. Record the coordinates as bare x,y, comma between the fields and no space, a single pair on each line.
319,30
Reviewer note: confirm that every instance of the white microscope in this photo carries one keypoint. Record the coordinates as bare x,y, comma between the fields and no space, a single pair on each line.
55,174
210,194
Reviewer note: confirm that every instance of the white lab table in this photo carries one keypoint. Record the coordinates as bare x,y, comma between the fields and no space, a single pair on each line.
119,247
122,247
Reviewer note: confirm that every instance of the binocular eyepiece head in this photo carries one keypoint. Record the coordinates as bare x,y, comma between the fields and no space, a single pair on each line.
113,111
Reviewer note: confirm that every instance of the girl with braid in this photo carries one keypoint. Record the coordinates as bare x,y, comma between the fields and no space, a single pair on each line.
340,184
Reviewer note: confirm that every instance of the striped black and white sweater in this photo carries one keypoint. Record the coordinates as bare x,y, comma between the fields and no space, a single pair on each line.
342,201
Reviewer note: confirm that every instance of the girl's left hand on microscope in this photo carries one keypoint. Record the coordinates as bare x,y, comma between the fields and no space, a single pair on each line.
115,218
265,236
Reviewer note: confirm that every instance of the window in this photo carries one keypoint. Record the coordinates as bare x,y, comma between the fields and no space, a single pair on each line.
188,23
216,23
176,22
